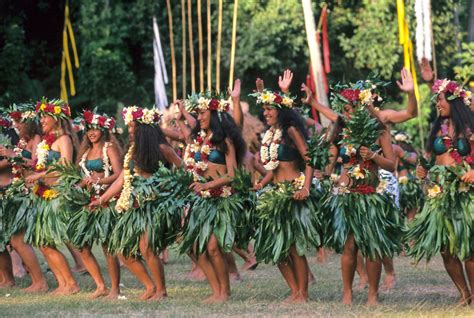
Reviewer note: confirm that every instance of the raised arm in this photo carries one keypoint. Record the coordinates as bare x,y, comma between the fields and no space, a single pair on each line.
237,113
309,99
284,82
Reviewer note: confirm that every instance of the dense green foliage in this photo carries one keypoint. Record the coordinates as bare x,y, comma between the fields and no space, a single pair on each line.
114,40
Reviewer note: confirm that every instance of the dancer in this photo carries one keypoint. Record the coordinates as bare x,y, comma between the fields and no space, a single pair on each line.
144,226
444,224
100,165
288,220
215,148
57,146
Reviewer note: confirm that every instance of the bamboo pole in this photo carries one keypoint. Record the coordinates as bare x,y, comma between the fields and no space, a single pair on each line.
183,52
232,50
209,47
173,58
201,62
218,50
191,47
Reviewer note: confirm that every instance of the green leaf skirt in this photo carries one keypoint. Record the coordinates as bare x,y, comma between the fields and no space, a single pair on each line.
283,222
87,227
372,219
445,222
50,222
411,195
213,216
22,211
5,229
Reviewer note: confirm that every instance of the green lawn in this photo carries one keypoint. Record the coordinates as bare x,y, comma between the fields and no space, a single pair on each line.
421,291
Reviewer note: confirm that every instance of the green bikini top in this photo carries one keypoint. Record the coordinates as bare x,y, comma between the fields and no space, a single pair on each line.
462,146
215,156
95,165
53,156
26,154
287,153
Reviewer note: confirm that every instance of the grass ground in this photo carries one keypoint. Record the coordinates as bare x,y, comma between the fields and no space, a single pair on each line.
421,291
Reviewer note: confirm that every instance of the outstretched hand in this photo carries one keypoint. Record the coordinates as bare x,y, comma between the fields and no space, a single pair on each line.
309,94
235,92
426,72
285,82
260,85
407,84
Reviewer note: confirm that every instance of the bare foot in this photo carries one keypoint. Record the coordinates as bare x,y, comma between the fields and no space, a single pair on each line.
70,290
158,296
113,294
216,299
363,282
37,288
147,294
235,277
210,300
372,300
300,299
347,298
7,284
58,291
99,292
196,274
290,299
389,282
19,272
250,265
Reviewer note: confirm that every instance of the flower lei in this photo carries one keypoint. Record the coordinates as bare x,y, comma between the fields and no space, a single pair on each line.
457,91
96,121
141,115
276,99
17,161
56,108
42,151
107,166
23,116
448,142
123,202
204,147
269,149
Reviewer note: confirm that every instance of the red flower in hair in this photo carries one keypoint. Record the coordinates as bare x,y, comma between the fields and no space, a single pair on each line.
352,95
101,121
137,114
67,110
88,116
111,123
213,104
49,108
277,99
38,105
451,87
16,116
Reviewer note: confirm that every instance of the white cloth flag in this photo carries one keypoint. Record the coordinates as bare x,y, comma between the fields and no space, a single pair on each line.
161,77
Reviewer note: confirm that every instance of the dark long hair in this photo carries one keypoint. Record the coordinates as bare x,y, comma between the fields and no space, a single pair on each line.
222,128
291,118
106,137
148,139
461,117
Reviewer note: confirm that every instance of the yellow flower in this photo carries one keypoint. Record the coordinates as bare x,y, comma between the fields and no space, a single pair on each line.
463,187
365,96
35,188
266,98
403,180
49,194
43,106
357,173
288,102
57,110
434,191
39,167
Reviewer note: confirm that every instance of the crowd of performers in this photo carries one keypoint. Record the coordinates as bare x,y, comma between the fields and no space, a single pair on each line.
193,181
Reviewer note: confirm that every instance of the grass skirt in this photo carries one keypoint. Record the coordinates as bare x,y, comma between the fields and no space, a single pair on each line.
4,222
411,196
372,219
446,220
284,222
157,211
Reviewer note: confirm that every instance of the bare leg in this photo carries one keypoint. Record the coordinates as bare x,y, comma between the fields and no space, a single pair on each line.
165,256
219,265
6,270
455,270
196,272
58,264
301,269
28,255
232,266
249,258
205,264
76,255
390,279
469,264
321,255
155,265
113,267
374,270
138,269
18,268
361,270
348,267
288,272
94,270
411,214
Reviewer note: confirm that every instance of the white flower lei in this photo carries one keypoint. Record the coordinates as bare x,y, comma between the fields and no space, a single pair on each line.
107,166
197,168
269,149
123,203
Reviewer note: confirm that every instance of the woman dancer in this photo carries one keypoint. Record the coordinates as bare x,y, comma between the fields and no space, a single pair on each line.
57,146
444,224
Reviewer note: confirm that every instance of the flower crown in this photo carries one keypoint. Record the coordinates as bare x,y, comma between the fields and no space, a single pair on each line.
457,91
23,113
400,136
141,115
365,92
55,108
276,99
92,120
207,101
